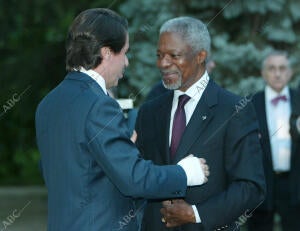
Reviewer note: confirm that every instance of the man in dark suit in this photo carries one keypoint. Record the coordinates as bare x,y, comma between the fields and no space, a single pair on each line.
91,168
278,108
220,127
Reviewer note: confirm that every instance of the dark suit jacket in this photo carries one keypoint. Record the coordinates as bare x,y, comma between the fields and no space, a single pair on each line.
226,135
91,168
259,104
157,90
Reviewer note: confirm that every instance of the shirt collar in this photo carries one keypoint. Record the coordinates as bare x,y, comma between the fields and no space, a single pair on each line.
196,90
95,76
271,94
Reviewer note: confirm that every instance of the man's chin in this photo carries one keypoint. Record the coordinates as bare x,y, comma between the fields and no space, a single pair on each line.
171,85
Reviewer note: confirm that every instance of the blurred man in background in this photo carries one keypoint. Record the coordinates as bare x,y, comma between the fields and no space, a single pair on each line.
277,108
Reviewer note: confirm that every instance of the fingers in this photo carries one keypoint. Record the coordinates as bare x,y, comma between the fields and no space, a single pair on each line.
133,136
166,203
206,171
205,168
202,161
177,201
166,218
163,212
177,212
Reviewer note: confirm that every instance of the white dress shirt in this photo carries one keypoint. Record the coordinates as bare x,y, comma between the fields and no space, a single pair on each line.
195,92
95,76
279,129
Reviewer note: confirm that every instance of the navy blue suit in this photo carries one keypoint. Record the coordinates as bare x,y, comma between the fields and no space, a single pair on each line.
91,168
227,137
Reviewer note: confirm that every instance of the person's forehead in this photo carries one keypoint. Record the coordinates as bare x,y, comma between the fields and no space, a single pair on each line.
276,59
172,41
171,36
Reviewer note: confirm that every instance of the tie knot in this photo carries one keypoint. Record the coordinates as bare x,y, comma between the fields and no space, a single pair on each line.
183,100
276,100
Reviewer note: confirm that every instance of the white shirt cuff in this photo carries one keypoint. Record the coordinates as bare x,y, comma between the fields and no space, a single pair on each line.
197,217
193,170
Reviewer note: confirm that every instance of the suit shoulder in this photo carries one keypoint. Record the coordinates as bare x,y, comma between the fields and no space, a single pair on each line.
231,103
258,95
294,92
157,102
228,98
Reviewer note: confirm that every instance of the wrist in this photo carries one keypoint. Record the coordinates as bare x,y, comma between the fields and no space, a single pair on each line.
196,214
191,215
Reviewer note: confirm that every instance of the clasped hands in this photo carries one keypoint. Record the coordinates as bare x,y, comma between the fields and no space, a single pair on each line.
177,212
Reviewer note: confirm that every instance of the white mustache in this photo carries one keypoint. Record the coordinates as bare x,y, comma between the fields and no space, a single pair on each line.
168,72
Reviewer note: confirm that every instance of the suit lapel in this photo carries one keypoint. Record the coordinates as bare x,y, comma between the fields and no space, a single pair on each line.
263,115
295,103
200,119
295,109
162,123
265,136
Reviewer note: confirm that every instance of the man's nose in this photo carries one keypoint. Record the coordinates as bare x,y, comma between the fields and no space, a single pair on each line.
164,61
277,72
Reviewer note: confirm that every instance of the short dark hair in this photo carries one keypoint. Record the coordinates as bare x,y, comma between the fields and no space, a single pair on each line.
91,30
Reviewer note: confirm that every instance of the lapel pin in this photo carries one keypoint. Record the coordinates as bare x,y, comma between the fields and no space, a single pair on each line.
204,117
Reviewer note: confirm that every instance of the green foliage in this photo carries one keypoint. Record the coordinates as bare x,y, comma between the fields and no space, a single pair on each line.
27,163
32,56
32,62
242,33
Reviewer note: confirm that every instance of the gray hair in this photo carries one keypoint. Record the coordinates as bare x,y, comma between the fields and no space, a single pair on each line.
276,53
192,30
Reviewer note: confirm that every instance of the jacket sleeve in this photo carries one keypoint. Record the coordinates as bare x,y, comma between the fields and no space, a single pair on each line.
108,141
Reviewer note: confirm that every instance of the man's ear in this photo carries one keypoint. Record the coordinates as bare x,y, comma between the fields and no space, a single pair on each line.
105,52
201,57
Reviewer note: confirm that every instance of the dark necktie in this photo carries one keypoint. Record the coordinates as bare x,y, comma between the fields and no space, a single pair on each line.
179,123
276,100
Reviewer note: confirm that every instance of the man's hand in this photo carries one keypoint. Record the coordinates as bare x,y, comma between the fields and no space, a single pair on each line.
177,212
205,168
195,169
133,136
